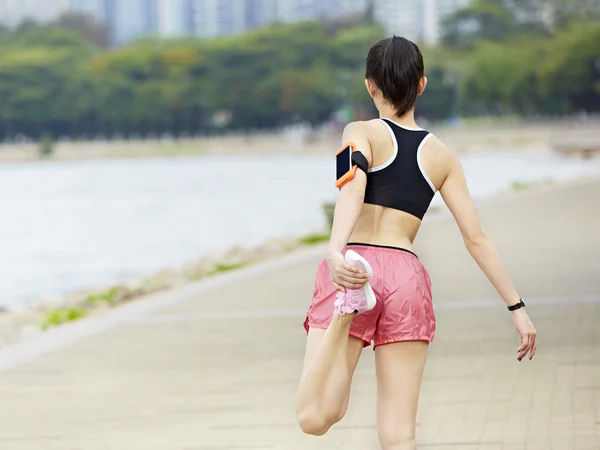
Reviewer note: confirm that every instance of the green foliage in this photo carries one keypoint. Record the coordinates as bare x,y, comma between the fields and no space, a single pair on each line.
314,239
440,99
523,185
58,317
222,268
486,19
58,80
267,78
109,297
520,185
95,32
329,210
46,146
571,72
564,12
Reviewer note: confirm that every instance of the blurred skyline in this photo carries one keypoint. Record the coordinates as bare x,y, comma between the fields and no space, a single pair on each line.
131,19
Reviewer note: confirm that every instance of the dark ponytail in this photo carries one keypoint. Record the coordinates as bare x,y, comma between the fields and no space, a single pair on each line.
395,65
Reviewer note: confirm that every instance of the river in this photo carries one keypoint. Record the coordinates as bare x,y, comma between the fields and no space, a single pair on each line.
66,226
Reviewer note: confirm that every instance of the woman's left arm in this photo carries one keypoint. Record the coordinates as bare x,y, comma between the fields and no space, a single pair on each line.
347,211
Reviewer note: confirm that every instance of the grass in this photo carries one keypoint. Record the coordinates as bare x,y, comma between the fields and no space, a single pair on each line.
60,316
522,141
519,185
196,276
222,268
57,317
103,297
314,239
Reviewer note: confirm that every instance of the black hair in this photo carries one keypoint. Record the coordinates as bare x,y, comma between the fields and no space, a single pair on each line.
395,65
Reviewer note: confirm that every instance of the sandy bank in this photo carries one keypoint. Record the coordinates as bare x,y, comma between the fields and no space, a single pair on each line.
463,140
19,324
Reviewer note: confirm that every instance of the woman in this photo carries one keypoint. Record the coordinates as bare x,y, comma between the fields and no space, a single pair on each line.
379,213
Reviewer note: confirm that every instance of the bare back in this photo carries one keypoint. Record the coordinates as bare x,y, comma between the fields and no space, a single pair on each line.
380,225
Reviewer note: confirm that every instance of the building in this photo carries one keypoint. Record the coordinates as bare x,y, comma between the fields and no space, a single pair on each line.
13,12
132,19
330,9
353,6
171,17
442,9
405,18
260,13
222,17
98,9
447,7
417,20
297,10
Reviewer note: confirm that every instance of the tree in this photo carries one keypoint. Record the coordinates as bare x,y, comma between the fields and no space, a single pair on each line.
482,19
560,13
571,72
493,20
95,32
54,81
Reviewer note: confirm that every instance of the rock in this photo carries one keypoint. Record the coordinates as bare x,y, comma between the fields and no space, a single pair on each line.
236,255
49,305
166,279
100,307
199,269
122,293
277,247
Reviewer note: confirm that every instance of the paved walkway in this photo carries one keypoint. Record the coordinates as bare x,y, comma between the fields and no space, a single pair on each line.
203,368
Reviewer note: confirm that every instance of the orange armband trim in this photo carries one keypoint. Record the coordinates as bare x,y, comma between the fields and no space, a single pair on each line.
348,159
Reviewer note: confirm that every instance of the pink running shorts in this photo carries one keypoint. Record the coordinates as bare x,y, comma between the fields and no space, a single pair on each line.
404,309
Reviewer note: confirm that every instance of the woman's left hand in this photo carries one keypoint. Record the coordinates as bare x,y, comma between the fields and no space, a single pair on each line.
527,334
343,275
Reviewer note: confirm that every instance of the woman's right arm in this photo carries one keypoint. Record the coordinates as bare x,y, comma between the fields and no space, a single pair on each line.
456,195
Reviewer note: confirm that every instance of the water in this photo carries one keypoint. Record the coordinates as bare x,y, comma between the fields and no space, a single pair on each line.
71,225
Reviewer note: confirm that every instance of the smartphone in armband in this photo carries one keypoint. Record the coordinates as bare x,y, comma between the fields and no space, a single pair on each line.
348,159
344,170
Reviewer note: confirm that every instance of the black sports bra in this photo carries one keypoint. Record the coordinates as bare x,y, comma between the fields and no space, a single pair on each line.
401,183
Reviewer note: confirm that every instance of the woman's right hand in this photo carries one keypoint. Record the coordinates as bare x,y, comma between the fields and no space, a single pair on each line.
343,275
527,334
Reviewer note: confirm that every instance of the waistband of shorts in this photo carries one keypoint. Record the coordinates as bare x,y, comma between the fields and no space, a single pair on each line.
382,247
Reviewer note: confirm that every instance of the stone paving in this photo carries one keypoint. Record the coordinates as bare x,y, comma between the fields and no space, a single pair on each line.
215,365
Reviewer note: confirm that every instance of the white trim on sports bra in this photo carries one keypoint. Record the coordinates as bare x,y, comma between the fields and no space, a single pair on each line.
402,126
394,155
421,145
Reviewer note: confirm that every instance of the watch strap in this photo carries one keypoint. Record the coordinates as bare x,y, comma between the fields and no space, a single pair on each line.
519,305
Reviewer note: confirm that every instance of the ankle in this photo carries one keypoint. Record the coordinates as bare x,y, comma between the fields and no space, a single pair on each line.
342,319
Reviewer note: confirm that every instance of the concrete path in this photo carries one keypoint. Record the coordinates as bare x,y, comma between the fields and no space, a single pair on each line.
215,365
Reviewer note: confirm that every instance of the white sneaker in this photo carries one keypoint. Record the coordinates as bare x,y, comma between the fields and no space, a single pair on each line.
356,300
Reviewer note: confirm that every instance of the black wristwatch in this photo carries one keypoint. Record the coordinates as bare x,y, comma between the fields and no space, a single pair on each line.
519,305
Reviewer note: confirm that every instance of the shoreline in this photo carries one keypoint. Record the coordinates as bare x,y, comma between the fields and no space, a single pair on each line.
464,140
24,322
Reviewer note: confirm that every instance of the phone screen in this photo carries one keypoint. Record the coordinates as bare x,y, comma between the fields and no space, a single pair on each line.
344,162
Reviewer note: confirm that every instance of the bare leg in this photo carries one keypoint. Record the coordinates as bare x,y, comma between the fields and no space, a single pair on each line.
324,391
399,371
